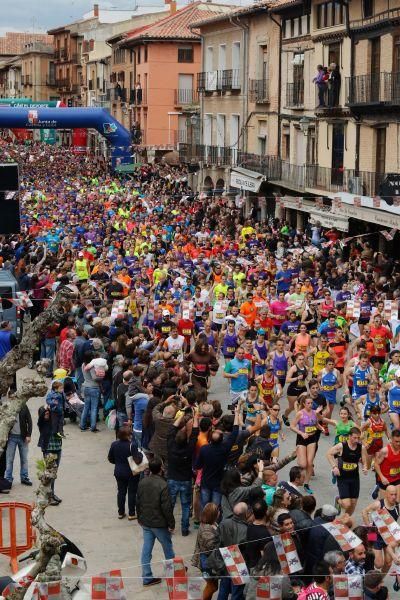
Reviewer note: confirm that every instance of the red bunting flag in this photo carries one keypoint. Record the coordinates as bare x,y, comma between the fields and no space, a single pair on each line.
269,587
346,539
108,586
235,564
46,591
389,235
357,201
337,203
176,577
287,553
387,526
348,587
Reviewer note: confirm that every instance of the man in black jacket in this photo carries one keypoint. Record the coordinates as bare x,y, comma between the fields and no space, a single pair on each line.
19,437
156,516
181,444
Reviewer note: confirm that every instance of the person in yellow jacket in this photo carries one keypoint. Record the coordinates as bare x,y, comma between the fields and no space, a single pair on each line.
82,268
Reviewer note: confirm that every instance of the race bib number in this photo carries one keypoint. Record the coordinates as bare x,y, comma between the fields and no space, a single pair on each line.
310,429
201,368
343,438
377,434
273,436
230,349
187,331
280,373
243,372
349,466
394,471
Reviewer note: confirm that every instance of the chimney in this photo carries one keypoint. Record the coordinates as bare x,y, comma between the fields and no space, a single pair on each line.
172,7
95,10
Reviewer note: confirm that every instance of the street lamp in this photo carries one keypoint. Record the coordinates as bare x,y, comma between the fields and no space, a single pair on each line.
305,123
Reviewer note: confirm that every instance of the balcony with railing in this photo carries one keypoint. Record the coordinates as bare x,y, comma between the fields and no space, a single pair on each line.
295,95
50,80
118,94
258,91
374,89
390,15
63,83
26,80
186,97
138,97
76,58
223,80
64,53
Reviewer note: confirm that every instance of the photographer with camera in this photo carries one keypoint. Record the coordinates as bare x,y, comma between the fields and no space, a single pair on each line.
181,444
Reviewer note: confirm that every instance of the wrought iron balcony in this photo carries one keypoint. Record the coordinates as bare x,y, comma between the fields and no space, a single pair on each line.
258,91
186,97
138,97
373,89
295,95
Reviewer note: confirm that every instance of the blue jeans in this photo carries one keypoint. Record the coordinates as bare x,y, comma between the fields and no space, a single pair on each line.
91,396
184,488
48,350
207,495
122,418
226,587
150,534
16,441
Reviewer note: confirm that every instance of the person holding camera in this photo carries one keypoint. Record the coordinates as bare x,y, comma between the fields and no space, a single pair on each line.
181,445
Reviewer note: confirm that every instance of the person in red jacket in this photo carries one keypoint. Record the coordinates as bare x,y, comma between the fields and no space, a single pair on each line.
186,328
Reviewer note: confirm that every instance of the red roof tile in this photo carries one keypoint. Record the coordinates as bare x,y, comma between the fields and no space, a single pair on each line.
178,24
13,42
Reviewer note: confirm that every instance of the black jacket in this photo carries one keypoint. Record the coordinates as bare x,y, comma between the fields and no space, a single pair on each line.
25,422
153,503
180,458
118,456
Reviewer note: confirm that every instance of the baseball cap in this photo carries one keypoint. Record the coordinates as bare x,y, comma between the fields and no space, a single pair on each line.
80,254
165,313
328,510
261,331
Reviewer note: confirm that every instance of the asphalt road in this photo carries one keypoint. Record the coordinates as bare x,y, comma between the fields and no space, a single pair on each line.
88,513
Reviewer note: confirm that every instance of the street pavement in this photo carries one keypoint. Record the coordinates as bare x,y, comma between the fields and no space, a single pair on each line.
88,513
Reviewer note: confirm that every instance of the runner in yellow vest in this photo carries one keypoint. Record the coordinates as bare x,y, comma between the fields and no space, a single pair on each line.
81,268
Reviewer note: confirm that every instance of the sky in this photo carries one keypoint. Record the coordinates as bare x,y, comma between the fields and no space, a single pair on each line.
41,15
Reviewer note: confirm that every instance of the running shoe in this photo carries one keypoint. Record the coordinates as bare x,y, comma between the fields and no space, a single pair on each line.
375,492
308,489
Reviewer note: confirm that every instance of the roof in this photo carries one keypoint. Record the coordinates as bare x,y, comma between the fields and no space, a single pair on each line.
280,4
179,25
13,42
238,11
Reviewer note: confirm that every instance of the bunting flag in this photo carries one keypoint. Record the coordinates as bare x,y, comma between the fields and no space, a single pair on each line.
280,202
46,591
389,235
391,310
376,202
235,564
108,586
176,578
348,587
357,201
346,539
22,583
387,526
396,200
299,202
319,202
287,553
269,587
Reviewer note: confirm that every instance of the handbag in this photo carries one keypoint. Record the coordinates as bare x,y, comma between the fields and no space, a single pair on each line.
135,467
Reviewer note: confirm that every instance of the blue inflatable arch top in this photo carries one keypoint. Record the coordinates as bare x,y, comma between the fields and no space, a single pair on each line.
100,119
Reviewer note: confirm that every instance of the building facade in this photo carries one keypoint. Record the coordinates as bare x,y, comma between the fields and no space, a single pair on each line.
154,74
317,114
38,75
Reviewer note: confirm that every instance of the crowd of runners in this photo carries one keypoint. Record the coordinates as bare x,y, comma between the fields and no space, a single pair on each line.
171,288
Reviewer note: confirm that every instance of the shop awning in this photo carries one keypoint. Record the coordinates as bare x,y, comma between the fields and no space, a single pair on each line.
246,180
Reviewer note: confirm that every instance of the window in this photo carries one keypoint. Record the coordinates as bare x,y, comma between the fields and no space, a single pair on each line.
286,146
329,14
119,56
131,56
368,8
145,54
380,150
262,145
138,53
185,54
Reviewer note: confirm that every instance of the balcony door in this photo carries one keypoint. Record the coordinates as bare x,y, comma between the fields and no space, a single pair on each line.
375,66
185,88
380,150
396,70
337,153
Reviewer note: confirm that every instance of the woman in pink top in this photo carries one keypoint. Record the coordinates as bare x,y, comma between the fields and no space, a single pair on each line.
277,311
327,305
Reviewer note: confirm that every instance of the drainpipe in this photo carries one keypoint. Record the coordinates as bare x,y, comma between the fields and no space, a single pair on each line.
245,29
279,83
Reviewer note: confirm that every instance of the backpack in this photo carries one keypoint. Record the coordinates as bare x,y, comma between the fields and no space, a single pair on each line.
97,373
311,589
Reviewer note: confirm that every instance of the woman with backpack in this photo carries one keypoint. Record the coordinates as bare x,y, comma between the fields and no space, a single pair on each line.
93,374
